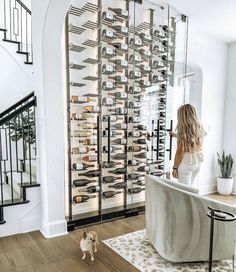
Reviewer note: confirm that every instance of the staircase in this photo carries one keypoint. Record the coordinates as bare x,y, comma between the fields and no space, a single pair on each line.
18,170
15,24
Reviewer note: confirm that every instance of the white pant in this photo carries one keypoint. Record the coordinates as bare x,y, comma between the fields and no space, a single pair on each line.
187,172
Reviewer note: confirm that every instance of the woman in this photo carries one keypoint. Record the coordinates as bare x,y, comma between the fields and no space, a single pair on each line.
188,156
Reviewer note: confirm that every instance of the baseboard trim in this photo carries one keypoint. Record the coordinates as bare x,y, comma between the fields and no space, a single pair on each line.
53,229
209,189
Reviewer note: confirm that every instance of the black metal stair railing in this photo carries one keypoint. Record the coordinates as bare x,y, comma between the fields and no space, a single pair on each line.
15,22
17,152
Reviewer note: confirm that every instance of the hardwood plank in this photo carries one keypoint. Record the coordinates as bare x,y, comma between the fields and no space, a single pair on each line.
231,199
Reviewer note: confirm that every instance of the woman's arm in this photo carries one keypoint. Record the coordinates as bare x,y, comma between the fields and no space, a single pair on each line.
178,158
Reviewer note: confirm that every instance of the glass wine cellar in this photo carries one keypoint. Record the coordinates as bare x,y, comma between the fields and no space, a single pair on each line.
125,63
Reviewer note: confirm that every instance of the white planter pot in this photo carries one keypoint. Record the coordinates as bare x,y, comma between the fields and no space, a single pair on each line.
225,186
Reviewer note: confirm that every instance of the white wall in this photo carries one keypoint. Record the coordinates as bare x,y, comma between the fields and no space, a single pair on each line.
16,78
211,56
229,144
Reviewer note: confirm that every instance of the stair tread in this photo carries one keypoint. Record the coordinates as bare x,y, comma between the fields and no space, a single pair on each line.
22,52
3,29
7,40
29,185
28,62
18,201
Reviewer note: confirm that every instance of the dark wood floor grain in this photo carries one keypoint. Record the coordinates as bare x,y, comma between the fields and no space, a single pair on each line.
31,252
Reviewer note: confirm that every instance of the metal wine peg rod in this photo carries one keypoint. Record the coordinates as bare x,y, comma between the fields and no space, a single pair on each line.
91,25
76,84
91,61
76,29
75,11
76,48
92,78
91,7
90,43
143,26
76,66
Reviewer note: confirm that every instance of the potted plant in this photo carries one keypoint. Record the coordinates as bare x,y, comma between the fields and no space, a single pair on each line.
225,182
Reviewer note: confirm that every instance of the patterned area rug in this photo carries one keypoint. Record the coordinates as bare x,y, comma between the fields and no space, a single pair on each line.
135,248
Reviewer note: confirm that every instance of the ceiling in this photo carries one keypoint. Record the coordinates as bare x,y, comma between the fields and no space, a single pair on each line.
216,18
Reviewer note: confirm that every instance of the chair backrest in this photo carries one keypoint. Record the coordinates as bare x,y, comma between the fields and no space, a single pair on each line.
178,226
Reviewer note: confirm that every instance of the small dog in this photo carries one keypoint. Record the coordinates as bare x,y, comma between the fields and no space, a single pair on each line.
88,241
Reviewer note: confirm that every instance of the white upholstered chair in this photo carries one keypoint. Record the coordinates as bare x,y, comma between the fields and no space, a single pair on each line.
178,226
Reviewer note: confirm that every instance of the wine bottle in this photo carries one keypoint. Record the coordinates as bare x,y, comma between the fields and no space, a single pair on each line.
165,59
108,69
119,95
157,34
162,114
89,141
81,166
107,101
135,90
107,85
118,185
123,13
83,134
143,168
108,16
135,41
82,150
135,58
91,189
140,141
120,141
91,174
139,183
121,46
135,190
145,68
82,99
123,30
108,34
162,100
133,162
82,182
141,127
134,119
135,134
112,133
109,179
113,118
144,83
141,155
136,148
112,149
109,164
156,49
120,126
91,109
108,52
134,176
134,105
157,65
157,79
135,74
119,156
88,125
145,53
82,198
90,158
121,111
145,37
119,171
120,64
109,194
120,79
81,116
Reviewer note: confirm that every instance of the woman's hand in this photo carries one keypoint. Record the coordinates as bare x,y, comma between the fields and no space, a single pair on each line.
175,173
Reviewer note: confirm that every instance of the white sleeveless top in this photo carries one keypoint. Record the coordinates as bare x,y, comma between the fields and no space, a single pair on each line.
193,157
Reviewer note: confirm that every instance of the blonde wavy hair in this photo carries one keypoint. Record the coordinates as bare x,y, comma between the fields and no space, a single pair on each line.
189,129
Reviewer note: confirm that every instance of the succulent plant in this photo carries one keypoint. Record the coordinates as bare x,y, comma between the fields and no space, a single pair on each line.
225,162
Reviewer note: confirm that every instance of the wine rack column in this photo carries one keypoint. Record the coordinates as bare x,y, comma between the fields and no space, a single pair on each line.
84,108
115,30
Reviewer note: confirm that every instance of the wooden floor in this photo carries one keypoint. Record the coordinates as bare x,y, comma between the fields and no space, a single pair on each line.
31,252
